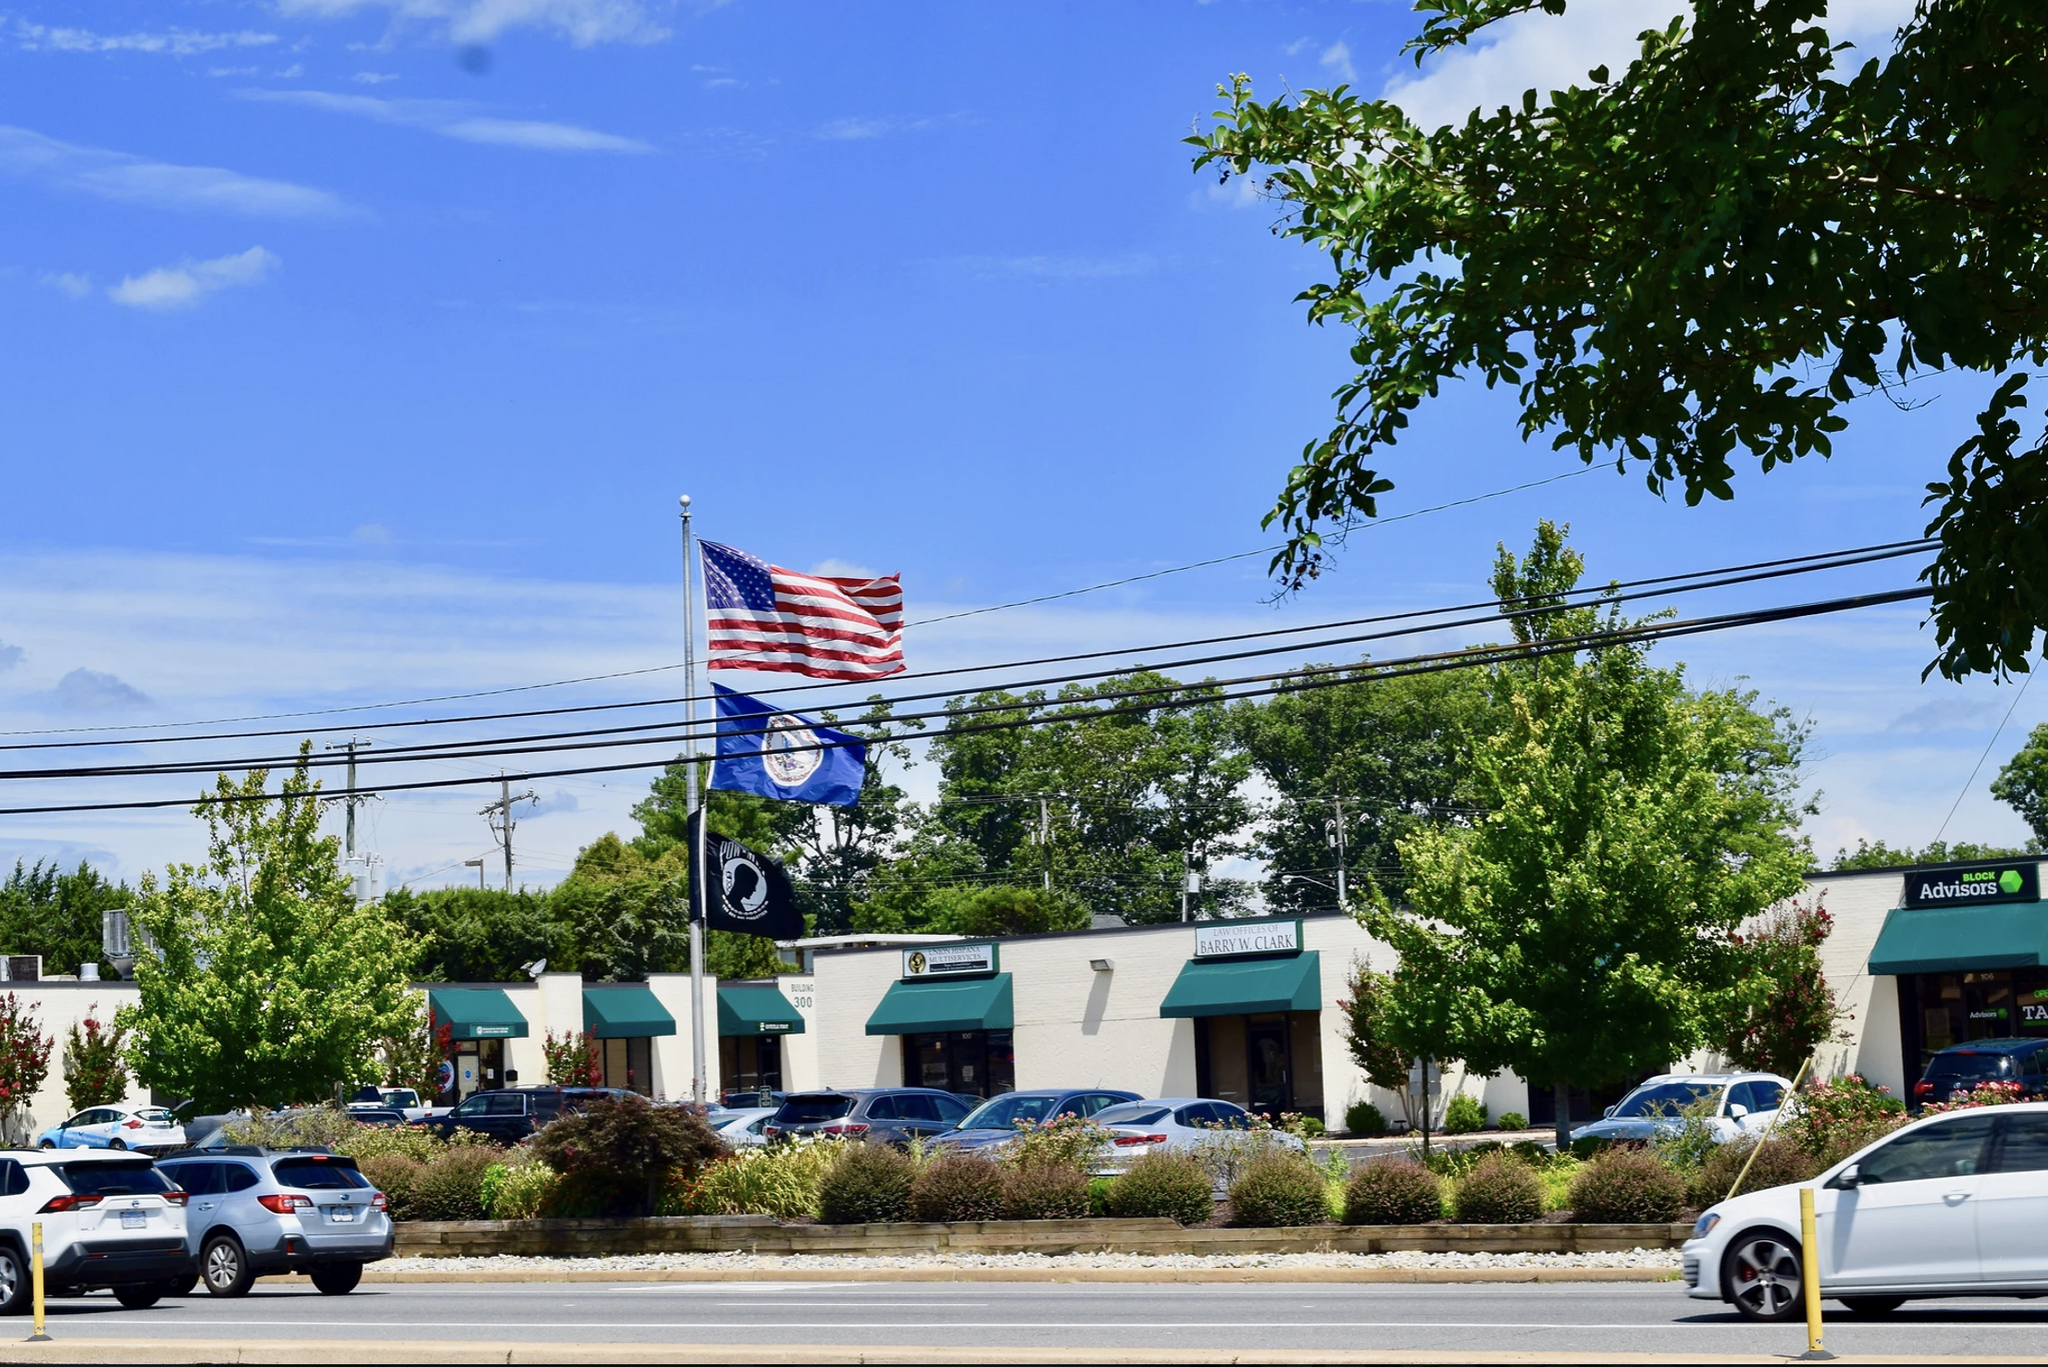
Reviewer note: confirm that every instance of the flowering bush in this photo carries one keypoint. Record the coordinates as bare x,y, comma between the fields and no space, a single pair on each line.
1836,1117
1791,1010
1301,1126
24,1060
573,1059
1065,1141
1983,1094
93,1072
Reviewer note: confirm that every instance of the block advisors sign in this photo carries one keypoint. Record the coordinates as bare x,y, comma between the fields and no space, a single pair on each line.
1226,941
949,961
2019,882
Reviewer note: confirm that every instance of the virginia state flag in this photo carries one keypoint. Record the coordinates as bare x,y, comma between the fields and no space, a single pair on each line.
783,756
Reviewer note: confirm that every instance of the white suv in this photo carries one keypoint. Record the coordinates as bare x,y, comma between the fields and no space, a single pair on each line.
109,1219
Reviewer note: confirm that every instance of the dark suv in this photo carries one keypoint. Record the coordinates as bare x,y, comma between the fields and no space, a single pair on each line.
511,1114
1960,1067
879,1115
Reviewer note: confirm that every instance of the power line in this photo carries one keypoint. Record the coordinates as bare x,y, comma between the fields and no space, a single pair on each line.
1981,758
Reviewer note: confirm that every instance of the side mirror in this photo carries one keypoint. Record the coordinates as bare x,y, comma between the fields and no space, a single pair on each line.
1847,1177
1738,1111
1608,1112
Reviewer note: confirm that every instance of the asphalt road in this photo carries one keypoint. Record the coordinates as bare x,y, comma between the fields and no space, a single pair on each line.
1552,1318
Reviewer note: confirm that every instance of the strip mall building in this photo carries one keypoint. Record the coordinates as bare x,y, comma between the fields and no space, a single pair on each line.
1250,1011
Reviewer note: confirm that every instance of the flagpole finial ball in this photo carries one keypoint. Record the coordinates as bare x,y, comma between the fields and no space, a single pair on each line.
685,500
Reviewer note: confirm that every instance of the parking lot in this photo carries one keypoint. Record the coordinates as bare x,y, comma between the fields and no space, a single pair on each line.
1180,1322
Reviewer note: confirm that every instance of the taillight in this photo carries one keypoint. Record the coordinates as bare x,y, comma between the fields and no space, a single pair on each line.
132,1124
1923,1089
284,1202
380,1202
1124,1141
58,1204
845,1127
177,1198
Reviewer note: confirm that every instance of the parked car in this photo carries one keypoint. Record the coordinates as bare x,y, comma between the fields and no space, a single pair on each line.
1743,1103
742,1128
1949,1205
255,1212
406,1100
1179,1124
110,1220
145,1129
1960,1067
878,1115
376,1115
737,1100
997,1120
511,1114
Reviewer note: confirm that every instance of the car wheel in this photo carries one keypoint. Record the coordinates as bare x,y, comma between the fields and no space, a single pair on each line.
1873,1305
337,1279
181,1286
1761,1275
46,1143
224,1267
116,1144
15,1291
139,1297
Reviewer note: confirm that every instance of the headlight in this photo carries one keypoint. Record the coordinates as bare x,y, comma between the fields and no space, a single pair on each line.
1705,1225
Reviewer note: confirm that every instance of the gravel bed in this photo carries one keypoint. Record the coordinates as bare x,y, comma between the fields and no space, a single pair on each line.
1662,1259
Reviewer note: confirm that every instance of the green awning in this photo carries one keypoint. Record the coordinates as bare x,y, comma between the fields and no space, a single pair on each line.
930,1007
626,1012
1961,939
1245,987
476,1013
756,1011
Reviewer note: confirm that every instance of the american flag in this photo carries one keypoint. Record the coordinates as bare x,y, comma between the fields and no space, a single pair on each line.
763,616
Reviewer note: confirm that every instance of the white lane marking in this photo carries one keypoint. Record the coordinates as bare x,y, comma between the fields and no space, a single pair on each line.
894,1326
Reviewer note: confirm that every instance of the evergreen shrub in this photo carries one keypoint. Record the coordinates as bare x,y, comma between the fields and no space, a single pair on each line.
1465,1115
1363,1118
866,1184
1513,1120
1778,1163
629,1146
1393,1191
958,1187
451,1187
1046,1191
395,1175
1279,1190
1164,1184
1500,1190
1627,1187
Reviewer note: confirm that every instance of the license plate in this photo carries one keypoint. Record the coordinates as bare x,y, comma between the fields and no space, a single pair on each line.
342,1217
133,1219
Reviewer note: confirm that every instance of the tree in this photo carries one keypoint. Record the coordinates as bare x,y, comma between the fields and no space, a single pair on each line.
573,1059
413,1055
2023,784
1791,1010
94,1073
45,911
267,983
1716,249
1878,855
624,915
24,1063
1582,928
1383,751
477,935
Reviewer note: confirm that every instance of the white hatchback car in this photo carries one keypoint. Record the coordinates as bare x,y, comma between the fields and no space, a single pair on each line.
110,1220
1180,1124
1950,1205
741,1128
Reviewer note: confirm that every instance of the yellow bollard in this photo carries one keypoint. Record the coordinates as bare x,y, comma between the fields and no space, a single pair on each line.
36,1278
1809,1274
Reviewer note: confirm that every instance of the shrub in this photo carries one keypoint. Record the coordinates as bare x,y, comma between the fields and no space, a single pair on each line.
585,1195
1393,1191
1364,1118
1513,1120
1531,1152
394,1174
958,1187
1302,1126
1500,1190
517,1191
1047,1191
1778,1162
1627,1187
415,1142
866,1184
1229,1151
1465,1115
1172,1185
629,1145
451,1187
1067,1141
573,1059
1688,1147
781,1180
1098,1195
328,1125
94,1074
1278,1190
1835,1118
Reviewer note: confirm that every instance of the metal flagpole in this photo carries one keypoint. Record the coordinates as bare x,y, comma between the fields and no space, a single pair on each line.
691,802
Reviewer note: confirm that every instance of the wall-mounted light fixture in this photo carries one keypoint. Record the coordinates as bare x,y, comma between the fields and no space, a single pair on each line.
1102,965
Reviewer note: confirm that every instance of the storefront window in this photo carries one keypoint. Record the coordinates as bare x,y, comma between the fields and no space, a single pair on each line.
1955,1008
1265,1063
750,1063
973,1062
629,1063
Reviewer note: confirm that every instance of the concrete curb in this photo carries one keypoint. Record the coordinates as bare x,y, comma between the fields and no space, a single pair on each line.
346,1351
1318,1275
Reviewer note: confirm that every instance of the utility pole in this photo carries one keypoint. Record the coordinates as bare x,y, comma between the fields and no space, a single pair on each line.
1338,839
1045,842
499,817
349,847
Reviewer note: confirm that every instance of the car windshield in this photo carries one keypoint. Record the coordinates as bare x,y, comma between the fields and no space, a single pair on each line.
1131,1113
403,1097
810,1110
1008,1112
114,1179
1970,1066
1664,1099
317,1174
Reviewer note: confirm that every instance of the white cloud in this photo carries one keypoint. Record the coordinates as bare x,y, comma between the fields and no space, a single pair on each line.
584,23
86,690
860,129
183,286
1336,60
1062,267
1543,52
71,283
163,185
451,119
372,77
175,42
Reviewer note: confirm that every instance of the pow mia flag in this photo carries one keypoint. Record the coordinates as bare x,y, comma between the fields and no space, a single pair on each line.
744,891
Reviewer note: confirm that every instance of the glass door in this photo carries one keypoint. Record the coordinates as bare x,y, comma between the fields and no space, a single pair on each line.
1268,1065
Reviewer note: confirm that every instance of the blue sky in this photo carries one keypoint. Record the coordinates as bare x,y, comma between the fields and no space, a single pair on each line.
357,349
